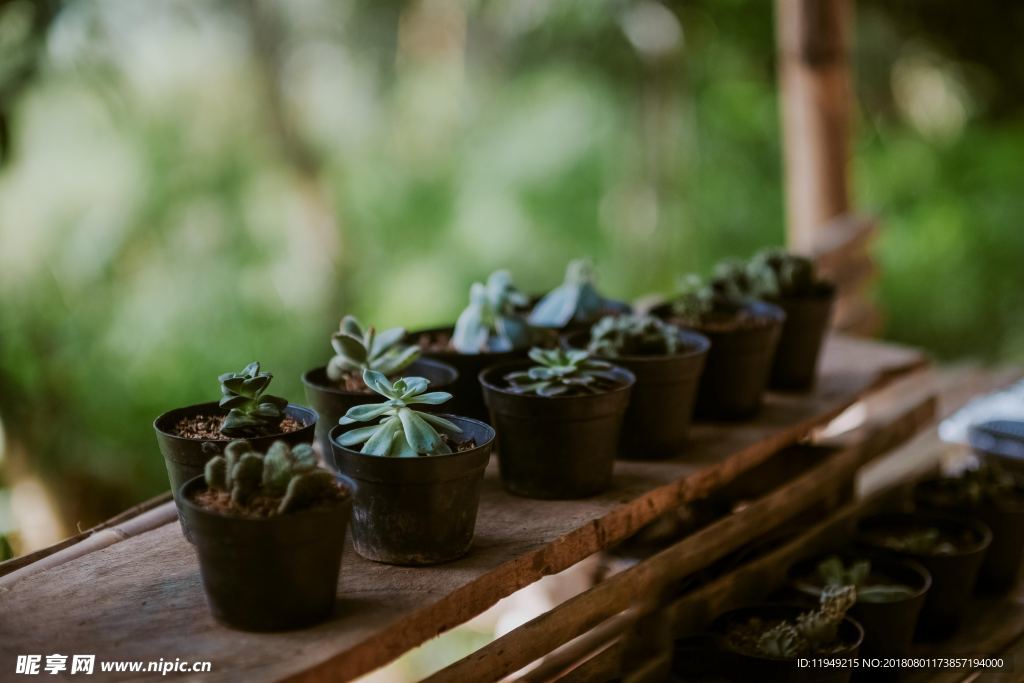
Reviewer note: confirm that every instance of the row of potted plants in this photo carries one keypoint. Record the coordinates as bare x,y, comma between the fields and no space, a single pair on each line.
556,380
905,576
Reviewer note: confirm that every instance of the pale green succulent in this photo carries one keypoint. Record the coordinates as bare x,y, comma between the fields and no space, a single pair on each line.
290,474
559,371
402,430
251,412
493,321
575,300
359,348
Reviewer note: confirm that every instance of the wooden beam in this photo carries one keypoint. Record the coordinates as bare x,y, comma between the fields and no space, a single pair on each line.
813,60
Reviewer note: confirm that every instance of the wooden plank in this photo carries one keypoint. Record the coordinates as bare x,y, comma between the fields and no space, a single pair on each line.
651,577
813,44
141,598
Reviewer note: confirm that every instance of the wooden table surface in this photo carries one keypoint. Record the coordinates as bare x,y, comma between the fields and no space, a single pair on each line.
141,598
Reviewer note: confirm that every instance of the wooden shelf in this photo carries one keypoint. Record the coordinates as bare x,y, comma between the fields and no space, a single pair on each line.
141,599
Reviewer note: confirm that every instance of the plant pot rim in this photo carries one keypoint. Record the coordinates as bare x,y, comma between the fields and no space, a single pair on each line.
307,378
778,606
827,293
336,432
193,485
697,344
923,574
454,353
981,529
629,379
311,417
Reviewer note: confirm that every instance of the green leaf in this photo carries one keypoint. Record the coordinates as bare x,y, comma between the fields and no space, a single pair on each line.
441,422
364,413
350,325
412,386
420,435
358,435
381,441
396,359
252,368
434,398
379,383
351,347
386,339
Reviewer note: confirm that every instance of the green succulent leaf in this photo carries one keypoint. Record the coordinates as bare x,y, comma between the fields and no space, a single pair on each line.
250,412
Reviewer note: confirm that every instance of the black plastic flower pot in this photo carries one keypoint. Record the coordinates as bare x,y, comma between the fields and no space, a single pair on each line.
660,411
467,396
558,447
273,574
796,359
1005,517
738,364
185,458
953,575
415,510
331,402
743,666
888,626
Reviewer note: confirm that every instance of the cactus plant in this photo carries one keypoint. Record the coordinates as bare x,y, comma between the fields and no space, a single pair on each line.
492,322
562,371
575,300
358,348
250,411
633,335
777,274
288,474
402,430
725,294
809,633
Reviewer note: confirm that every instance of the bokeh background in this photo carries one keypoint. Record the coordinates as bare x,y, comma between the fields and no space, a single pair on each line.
190,185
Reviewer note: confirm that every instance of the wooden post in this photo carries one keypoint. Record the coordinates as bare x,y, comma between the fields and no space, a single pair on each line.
813,44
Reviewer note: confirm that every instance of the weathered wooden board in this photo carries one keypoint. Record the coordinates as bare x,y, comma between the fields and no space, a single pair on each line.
140,599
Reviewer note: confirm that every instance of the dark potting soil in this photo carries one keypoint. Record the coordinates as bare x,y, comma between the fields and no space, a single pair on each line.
436,342
352,382
743,637
729,322
207,427
923,541
260,507
458,446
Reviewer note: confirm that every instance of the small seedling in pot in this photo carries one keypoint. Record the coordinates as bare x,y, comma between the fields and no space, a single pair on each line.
250,411
832,573
633,335
562,372
402,430
493,321
776,274
283,480
576,300
358,348
814,632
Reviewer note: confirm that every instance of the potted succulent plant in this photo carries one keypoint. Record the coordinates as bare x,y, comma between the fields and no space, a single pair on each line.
269,531
950,548
492,329
667,362
996,497
744,333
417,475
559,420
188,437
890,595
575,304
790,281
764,642
336,387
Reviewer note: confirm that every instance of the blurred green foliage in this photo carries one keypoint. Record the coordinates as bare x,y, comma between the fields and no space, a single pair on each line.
194,184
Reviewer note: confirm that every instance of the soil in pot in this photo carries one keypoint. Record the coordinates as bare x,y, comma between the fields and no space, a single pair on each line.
416,510
951,548
332,401
263,571
996,497
188,437
739,361
556,447
795,366
744,656
467,396
661,404
890,595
